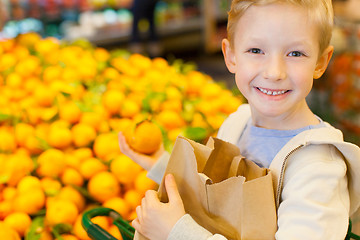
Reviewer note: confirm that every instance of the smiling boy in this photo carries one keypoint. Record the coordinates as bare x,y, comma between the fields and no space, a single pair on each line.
275,48
275,55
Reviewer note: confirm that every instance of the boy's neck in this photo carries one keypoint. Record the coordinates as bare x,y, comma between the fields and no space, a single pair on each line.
286,122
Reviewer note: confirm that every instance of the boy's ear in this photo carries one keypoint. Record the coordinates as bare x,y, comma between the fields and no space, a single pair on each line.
323,62
229,55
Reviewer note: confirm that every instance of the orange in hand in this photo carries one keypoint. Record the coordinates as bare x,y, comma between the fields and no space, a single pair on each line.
145,137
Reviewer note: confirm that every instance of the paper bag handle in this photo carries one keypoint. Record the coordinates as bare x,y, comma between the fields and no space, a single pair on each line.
218,164
246,168
233,171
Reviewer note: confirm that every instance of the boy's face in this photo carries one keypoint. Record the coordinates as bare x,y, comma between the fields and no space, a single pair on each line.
275,58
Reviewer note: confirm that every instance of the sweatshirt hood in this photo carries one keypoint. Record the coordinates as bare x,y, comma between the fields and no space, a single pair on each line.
324,135
330,136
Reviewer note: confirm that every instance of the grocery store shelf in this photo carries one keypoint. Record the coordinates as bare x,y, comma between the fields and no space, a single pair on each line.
189,24
119,34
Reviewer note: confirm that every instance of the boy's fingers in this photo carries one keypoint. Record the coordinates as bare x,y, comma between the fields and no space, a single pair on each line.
124,146
151,195
150,201
136,224
122,142
138,213
171,189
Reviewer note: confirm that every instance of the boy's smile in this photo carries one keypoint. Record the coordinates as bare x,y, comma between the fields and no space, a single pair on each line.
275,64
271,92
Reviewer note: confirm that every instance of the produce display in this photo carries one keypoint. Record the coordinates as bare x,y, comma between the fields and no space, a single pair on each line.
344,91
61,107
341,86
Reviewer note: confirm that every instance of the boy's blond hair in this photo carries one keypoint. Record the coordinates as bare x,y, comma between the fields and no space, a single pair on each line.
320,12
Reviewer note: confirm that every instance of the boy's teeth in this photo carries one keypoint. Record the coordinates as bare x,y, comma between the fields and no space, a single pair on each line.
273,93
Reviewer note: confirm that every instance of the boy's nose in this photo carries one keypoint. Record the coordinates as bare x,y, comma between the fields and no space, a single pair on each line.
275,69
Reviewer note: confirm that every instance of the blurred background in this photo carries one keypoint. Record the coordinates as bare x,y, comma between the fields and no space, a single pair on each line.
190,30
181,25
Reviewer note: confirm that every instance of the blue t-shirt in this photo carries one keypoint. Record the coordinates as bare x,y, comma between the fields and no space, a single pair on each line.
261,145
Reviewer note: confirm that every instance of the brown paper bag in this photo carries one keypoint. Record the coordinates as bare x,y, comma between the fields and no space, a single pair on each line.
222,191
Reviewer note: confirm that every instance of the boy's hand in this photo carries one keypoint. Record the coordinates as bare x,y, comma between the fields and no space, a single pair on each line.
145,161
155,219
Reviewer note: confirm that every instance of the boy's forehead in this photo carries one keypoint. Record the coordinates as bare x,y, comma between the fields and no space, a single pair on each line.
256,14
318,14
261,22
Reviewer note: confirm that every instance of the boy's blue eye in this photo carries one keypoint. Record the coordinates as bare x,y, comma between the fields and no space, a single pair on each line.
296,54
255,51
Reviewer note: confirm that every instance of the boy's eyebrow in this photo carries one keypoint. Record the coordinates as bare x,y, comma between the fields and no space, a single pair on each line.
301,43
255,39
297,42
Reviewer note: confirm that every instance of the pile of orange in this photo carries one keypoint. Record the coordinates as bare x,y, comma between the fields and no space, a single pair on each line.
61,107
